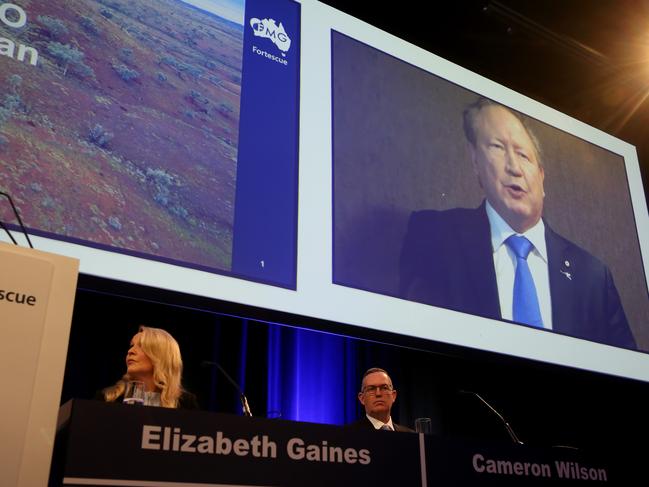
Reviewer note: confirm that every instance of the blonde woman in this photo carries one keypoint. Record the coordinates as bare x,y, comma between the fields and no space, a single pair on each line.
154,359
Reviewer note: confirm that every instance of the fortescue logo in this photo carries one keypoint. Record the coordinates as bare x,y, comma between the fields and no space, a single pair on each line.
268,29
18,298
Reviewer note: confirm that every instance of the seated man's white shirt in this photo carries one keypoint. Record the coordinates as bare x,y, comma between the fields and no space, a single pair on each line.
378,423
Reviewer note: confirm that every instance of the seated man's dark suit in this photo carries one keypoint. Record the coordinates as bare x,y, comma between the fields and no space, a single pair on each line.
365,424
447,261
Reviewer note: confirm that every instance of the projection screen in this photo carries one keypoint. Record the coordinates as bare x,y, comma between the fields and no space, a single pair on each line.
272,153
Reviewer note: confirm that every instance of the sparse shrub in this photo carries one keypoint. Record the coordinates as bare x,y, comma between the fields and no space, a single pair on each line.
84,71
114,222
190,39
162,183
125,54
65,52
99,136
4,141
47,202
209,64
160,76
225,108
12,103
65,55
194,71
126,73
160,176
168,60
55,27
46,122
5,115
36,187
161,199
89,25
106,13
180,211
198,98
14,81
182,68
68,56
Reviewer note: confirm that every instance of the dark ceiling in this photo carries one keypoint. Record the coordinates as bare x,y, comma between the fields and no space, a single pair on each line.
586,58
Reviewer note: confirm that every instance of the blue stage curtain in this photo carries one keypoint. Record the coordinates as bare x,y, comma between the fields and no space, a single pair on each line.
243,357
311,376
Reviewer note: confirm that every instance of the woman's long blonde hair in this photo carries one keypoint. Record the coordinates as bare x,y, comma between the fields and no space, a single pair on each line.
164,353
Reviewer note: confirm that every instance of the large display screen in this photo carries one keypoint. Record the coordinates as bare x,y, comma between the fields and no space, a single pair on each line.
174,123
145,128
411,190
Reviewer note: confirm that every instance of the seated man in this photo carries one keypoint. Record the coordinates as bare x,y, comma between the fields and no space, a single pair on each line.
377,397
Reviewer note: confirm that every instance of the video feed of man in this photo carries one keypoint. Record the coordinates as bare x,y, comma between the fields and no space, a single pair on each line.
448,198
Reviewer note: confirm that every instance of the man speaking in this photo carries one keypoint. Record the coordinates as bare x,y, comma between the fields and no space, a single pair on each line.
502,260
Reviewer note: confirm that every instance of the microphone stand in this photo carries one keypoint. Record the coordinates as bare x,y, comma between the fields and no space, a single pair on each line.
509,429
20,222
242,397
2,225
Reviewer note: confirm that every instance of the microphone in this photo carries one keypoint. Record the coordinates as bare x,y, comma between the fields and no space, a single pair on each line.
20,222
2,225
509,429
244,400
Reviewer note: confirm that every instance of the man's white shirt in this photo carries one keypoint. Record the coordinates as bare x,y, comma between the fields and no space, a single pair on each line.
378,423
505,265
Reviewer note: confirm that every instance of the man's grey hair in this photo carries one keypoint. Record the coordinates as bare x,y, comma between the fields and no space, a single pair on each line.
374,370
472,111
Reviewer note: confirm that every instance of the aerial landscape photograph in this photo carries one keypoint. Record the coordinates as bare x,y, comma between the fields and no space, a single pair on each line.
119,124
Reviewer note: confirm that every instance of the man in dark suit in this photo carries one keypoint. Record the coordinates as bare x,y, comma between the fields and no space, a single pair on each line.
377,397
468,259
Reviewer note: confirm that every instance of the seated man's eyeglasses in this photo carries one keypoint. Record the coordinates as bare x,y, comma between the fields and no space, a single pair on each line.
372,390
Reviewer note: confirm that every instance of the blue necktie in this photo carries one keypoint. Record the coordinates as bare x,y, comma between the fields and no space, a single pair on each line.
526,303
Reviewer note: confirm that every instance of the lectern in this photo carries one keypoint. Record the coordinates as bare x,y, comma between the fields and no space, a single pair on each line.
37,292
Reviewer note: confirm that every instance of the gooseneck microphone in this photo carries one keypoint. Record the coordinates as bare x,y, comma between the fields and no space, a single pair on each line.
2,225
20,222
244,400
509,429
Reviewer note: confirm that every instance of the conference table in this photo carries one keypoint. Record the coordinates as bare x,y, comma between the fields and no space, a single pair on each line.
112,444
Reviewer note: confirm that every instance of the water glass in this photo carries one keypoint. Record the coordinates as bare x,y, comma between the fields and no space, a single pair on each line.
423,425
134,393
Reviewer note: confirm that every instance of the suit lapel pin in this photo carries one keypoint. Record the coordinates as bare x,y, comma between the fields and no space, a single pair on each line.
567,274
